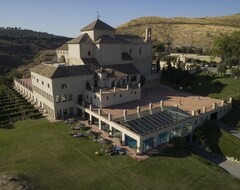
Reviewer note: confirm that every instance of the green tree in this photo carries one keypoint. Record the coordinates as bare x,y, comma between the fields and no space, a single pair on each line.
160,47
221,68
235,72
158,65
227,46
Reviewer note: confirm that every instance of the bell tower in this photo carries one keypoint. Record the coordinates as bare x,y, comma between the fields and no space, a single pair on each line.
148,36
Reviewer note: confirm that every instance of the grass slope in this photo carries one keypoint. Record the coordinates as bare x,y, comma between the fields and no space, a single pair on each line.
221,88
229,145
215,86
198,32
44,152
218,140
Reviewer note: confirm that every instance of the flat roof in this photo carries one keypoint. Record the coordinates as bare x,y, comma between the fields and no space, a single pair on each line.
150,122
186,101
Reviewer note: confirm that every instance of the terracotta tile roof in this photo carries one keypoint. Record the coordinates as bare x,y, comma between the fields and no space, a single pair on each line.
122,69
84,38
107,39
51,71
130,39
98,25
92,63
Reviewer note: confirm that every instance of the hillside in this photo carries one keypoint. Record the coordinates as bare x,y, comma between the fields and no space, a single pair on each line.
19,47
180,31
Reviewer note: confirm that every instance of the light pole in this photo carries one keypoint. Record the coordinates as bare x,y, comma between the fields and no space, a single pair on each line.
199,84
180,96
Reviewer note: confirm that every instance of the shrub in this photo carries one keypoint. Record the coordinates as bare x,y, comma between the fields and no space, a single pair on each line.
35,115
180,143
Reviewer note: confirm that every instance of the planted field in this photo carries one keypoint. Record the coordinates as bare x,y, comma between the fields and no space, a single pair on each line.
51,158
14,107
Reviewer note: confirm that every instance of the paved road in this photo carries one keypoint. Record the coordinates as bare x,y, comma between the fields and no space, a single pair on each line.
214,70
229,166
228,129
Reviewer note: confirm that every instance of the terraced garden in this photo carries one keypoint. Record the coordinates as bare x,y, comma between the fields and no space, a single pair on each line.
13,107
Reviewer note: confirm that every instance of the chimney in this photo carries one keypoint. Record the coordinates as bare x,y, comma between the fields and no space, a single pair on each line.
138,111
150,108
161,103
193,112
222,102
214,106
125,115
99,111
204,109
109,117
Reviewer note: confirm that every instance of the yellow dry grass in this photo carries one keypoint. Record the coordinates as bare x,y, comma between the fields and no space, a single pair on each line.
198,32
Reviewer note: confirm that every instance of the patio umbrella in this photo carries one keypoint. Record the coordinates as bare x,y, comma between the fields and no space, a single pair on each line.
104,141
91,133
78,126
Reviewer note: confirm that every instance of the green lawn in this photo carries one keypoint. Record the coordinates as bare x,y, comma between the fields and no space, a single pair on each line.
45,153
222,88
229,145
218,140
215,86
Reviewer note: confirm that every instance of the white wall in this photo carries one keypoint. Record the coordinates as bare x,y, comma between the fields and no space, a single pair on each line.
85,48
75,86
74,54
26,92
141,60
109,54
110,99
61,53
45,85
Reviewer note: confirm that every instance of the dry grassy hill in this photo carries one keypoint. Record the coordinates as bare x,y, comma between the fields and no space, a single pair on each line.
180,31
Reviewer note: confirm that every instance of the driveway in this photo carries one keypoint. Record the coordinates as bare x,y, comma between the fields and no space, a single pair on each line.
228,129
231,167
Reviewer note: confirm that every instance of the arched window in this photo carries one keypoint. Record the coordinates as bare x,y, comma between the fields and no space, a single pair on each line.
63,86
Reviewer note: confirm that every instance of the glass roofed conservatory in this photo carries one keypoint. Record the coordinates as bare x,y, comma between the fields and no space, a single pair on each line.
152,121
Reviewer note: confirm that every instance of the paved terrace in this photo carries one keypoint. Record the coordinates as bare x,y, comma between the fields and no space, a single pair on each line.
27,82
113,90
185,101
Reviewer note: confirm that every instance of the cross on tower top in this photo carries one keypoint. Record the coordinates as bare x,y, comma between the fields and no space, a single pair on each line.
98,15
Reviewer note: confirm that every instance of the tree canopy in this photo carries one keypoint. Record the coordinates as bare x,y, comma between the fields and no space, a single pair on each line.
228,46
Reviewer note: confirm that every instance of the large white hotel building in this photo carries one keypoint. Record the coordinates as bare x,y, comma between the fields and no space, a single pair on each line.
97,76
